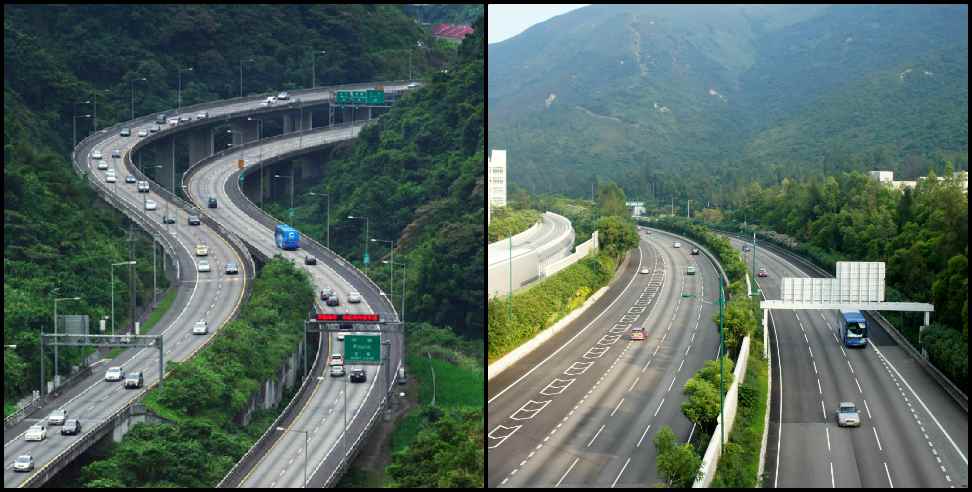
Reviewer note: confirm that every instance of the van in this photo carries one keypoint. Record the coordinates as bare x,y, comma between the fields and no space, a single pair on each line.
401,376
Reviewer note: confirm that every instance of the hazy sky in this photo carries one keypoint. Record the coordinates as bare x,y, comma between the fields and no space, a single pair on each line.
507,20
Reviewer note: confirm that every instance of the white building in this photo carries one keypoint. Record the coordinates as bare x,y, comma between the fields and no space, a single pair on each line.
887,178
883,177
496,176
637,208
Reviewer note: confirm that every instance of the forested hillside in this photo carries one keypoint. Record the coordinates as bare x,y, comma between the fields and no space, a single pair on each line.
650,95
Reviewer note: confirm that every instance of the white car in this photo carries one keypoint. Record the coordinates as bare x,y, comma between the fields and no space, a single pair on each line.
143,133
354,296
676,244
202,250
111,178
151,205
173,121
337,360
96,155
203,265
102,165
283,96
116,153
143,187
412,85
340,337
645,270
36,432
25,462
202,115
337,370
114,374
200,328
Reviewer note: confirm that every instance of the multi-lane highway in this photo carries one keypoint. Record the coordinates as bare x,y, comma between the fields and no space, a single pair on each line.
911,435
214,296
516,262
323,414
582,410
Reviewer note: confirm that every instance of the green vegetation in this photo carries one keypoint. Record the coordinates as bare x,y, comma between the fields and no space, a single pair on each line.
729,94
201,395
739,463
448,13
677,463
544,303
510,222
441,445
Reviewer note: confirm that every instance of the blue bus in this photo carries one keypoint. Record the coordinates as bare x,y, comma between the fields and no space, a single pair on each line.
853,328
286,237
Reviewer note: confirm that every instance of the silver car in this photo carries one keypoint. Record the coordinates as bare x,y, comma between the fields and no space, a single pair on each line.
847,415
203,265
337,370
354,297
57,417
25,462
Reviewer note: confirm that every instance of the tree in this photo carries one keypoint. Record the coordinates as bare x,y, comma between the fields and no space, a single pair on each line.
677,464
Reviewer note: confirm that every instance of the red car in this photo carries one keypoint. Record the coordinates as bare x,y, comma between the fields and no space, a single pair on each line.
637,334
762,273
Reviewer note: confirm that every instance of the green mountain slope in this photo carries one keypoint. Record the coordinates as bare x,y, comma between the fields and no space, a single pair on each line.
631,93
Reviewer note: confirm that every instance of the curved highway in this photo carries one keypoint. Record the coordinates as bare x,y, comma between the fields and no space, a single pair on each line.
582,410
911,435
214,295
552,240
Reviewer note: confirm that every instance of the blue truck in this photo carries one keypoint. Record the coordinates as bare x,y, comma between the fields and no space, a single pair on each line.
286,237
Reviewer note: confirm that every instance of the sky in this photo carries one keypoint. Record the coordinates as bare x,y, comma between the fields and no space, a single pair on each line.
507,20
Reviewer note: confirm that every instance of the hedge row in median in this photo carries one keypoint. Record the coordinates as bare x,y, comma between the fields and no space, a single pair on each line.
545,303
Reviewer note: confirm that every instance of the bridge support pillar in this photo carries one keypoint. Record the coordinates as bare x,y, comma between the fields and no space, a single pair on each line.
243,131
200,145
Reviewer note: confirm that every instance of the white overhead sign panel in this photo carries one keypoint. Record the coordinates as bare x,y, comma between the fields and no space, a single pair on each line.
861,281
856,282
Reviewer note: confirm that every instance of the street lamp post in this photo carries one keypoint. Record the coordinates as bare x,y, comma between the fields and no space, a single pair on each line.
76,129
241,74
113,265
366,241
180,85
133,94
291,178
391,270
305,448
94,100
314,68
328,196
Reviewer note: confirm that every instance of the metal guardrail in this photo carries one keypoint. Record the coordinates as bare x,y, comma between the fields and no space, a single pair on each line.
953,390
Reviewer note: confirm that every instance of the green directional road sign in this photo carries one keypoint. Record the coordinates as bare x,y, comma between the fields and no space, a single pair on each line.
343,97
359,97
362,348
376,96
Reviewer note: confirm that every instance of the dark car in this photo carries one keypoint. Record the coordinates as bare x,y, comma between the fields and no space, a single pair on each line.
310,260
231,268
168,220
358,375
332,300
71,427
130,179
695,251
134,380
346,326
212,202
745,247
193,220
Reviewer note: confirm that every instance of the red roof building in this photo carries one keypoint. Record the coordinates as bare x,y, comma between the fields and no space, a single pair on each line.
452,31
